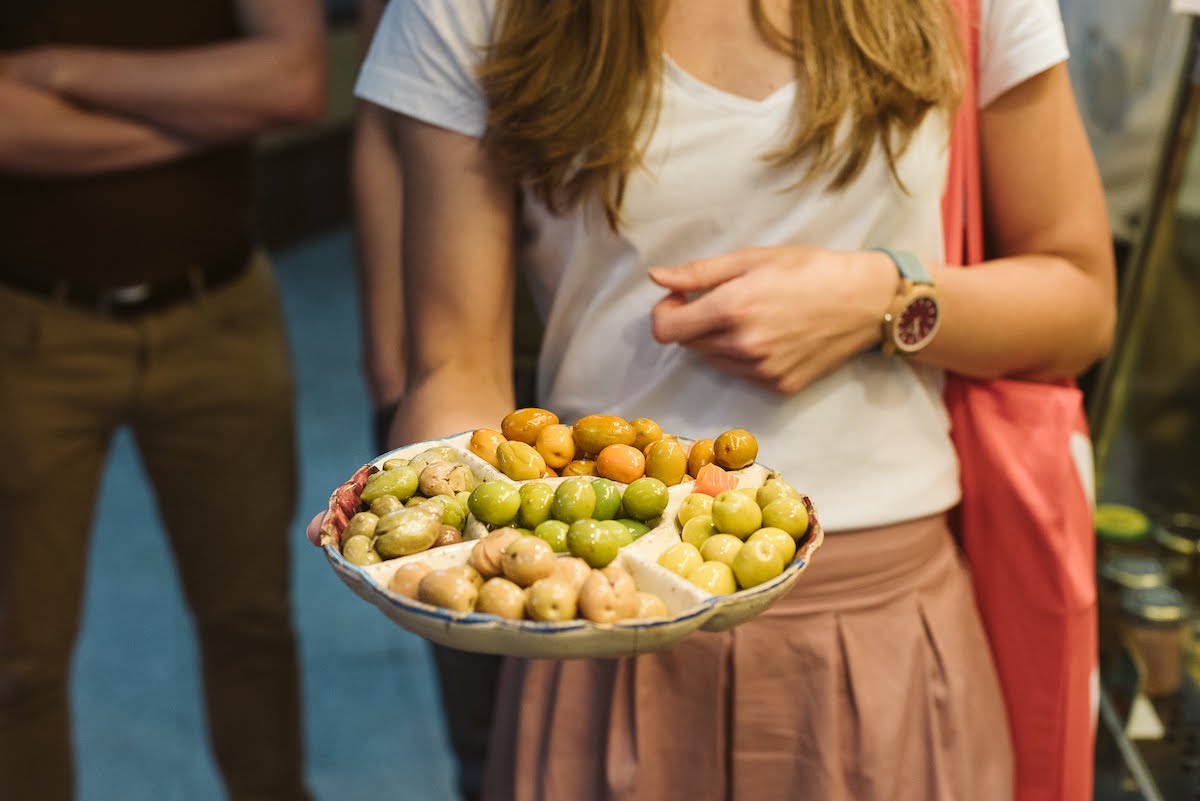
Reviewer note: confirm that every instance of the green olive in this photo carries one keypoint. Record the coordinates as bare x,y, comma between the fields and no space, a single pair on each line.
400,481
495,503
574,499
358,550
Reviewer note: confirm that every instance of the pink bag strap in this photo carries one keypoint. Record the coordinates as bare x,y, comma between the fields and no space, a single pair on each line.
962,203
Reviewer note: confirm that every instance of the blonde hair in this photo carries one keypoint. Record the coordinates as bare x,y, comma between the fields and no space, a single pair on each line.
572,87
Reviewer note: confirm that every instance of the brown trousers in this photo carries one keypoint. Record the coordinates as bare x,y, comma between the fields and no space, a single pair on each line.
206,389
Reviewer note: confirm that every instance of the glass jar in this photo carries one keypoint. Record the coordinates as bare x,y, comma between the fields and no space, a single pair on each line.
1121,531
1178,542
1153,624
1118,574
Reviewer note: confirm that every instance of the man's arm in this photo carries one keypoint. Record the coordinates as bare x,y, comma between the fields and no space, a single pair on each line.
273,76
40,134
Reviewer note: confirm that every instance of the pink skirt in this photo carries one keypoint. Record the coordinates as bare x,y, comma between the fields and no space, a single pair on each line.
871,680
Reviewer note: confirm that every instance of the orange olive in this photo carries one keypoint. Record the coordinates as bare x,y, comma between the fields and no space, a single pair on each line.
645,431
619,462
666,460
484,442
523,425
700,455
556,444
579,467
735,449
595,432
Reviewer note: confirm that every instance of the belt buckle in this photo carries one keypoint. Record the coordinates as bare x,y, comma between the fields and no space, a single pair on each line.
122,298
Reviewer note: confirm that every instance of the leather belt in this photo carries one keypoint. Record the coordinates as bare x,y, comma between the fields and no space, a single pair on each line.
129,301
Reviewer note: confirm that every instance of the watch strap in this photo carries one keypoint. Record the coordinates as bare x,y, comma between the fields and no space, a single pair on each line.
908,264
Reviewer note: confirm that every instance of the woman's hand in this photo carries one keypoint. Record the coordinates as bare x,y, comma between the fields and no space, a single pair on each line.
779,317
313,532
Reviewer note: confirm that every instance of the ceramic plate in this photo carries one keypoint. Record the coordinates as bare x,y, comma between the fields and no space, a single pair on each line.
689,607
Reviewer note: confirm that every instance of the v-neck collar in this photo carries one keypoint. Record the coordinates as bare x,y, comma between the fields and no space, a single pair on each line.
732,100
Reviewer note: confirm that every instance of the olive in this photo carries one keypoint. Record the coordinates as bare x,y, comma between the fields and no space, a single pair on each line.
667,461
527,559
735,449
619,462
595,432
384,504
406,578
523,425
536,500
499,596
700,455
646,498
645,431
579,467
496,503
789,514
486,554
774,488
445,478
436,453
400,481
650,605
554,532
608,499
573,570
519,461
362,524
551,599
358,550
574,499
556,444
483,444
406,531
449,588
447,535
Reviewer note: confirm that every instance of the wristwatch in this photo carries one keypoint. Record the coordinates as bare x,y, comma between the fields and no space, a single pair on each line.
912,319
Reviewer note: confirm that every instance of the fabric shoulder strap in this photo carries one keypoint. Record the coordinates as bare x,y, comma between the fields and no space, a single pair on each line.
962,204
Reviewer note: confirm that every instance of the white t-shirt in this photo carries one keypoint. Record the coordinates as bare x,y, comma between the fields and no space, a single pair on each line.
869,442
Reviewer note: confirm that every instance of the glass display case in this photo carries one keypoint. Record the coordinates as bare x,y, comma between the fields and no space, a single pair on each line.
1144,409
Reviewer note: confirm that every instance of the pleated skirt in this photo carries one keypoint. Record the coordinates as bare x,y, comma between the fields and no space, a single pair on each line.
870,680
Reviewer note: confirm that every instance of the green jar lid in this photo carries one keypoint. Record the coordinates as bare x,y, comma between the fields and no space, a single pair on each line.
1135,571
1154,604
1119,523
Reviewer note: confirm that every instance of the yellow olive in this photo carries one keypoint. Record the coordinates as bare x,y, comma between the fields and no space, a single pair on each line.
595,432
645,431
523,425
579,467
666,460
735,449
519,461
556,444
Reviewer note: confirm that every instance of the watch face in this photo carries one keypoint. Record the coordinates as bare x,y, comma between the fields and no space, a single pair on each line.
917,323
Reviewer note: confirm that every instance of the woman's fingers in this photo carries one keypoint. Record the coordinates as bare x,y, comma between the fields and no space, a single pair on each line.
314,529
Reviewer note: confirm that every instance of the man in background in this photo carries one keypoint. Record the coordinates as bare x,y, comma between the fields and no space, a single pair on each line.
132,295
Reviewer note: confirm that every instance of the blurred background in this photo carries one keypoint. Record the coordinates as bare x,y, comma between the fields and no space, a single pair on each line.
373,725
